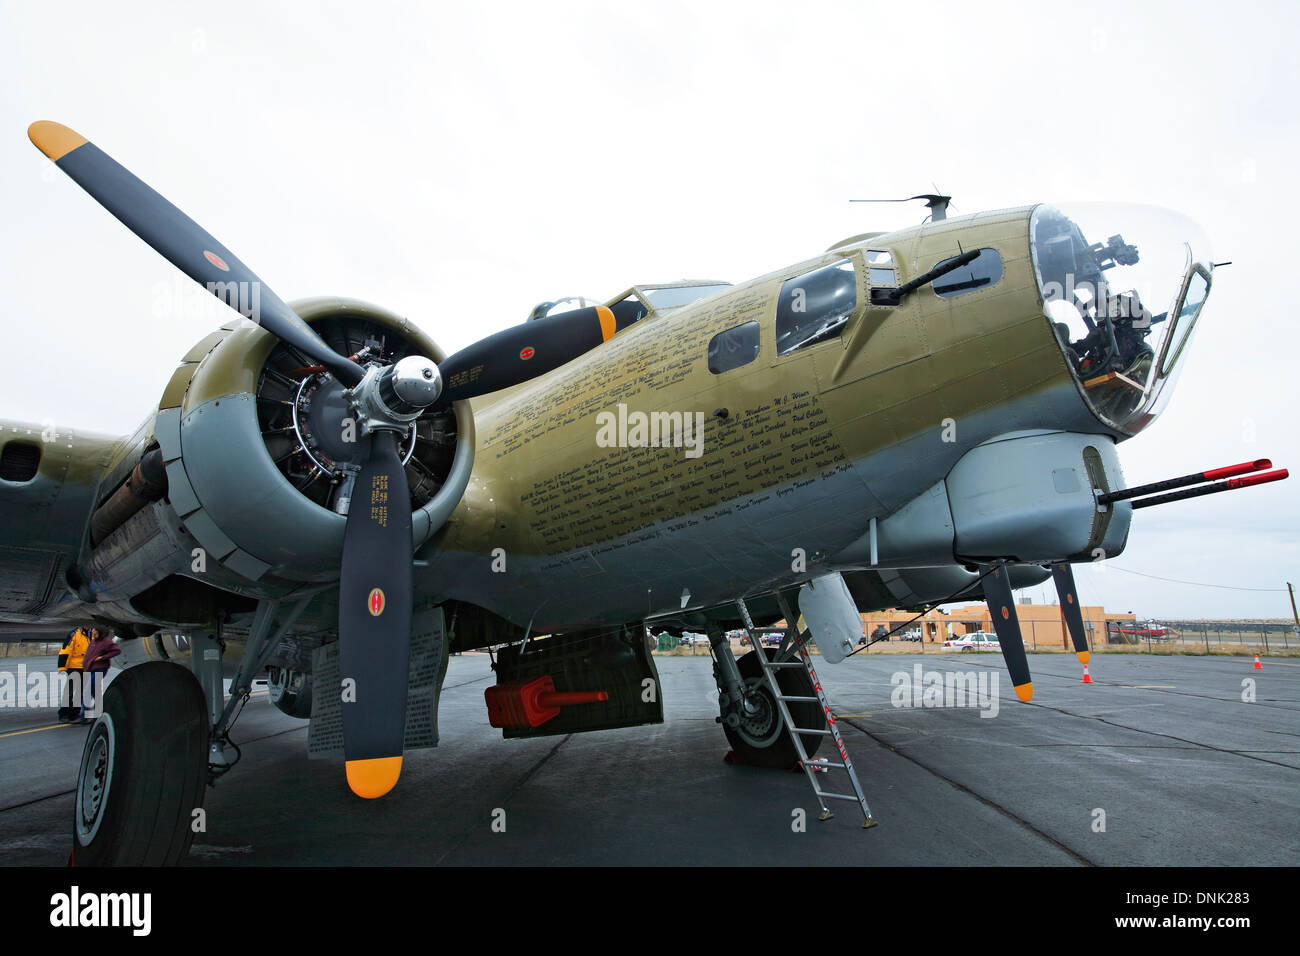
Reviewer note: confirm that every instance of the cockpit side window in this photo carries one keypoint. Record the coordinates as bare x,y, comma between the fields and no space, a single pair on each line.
733,348
814,306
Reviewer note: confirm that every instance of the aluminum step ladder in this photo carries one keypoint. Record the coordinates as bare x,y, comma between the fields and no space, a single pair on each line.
811,766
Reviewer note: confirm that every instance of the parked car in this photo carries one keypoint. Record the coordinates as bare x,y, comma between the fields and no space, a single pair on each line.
913,635
975,641
768,636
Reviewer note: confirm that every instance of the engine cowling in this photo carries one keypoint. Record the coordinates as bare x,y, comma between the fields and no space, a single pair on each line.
255,482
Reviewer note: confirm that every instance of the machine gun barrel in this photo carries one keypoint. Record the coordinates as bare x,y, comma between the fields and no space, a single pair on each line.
894,296
1232,484
1169,484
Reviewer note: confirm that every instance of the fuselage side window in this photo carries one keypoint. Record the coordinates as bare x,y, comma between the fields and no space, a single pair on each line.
814,306
733,348
880,262
980,273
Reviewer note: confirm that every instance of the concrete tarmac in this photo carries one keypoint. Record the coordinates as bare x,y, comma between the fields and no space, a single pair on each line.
1160,762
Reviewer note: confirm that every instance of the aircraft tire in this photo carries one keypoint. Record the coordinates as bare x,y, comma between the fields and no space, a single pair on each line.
143,770
758,744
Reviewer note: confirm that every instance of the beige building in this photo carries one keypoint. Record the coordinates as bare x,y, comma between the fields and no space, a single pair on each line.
1042,625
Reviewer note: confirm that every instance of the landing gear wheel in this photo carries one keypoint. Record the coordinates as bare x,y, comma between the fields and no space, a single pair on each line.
143,770
760,740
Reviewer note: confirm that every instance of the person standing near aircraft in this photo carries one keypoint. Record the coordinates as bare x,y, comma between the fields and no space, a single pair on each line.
102,649
71,656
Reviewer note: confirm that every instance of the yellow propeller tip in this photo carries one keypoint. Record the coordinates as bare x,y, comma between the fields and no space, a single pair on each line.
54,139
1084,657
1025,691
375,777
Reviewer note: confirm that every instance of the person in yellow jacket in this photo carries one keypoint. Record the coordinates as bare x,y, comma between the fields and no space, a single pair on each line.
71,657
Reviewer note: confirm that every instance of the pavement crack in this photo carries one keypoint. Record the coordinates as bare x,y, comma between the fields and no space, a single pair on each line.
1074,854
1155,733
515,788
28,803
476,680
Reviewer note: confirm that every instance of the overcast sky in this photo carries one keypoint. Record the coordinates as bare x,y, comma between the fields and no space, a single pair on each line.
459,163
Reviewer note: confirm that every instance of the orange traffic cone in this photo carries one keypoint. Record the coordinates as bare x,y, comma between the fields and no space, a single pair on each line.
1087,679
1258,666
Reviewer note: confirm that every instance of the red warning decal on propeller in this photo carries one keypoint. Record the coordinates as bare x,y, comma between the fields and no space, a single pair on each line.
375,603
527,352
216,260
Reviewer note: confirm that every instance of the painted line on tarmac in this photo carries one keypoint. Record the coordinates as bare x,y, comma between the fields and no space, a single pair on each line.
33,730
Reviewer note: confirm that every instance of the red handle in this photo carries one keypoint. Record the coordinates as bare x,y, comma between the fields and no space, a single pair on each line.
555,698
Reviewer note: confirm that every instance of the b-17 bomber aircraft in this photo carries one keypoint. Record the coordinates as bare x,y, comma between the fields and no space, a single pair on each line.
324,497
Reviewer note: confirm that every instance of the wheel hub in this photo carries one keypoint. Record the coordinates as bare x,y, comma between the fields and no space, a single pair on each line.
95,779
761,725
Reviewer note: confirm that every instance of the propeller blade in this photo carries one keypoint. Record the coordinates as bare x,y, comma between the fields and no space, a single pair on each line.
525,351
183,242
375,620
1066,592
1002,608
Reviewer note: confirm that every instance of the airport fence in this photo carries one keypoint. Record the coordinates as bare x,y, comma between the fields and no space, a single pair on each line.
1246,637
1171,636
1205,637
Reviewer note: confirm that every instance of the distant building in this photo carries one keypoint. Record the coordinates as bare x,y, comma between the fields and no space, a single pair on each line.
1041,624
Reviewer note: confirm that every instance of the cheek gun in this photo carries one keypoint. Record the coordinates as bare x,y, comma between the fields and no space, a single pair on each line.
1229,472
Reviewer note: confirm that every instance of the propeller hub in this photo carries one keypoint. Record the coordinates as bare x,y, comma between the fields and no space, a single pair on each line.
321,409
413,382
326,426
395,395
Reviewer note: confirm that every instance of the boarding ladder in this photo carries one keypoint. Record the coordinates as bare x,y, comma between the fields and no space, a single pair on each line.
811,766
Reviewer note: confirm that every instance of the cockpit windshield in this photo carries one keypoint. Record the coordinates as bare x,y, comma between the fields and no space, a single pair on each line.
1122,286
